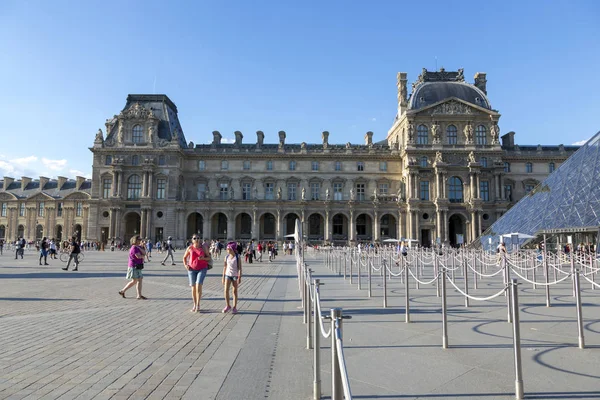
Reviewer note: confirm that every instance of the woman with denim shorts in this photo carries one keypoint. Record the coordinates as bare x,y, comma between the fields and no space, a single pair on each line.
196,260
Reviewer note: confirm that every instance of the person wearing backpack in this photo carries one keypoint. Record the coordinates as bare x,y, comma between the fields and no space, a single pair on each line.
170,250
232,275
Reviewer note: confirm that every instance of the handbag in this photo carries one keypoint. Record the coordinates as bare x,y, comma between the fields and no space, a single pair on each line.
210,264
139,266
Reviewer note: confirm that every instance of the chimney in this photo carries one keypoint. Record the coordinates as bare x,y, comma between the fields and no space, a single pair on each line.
43,181
369,138
61,181
7,182
238,138
260,138
216,138
281,138
24,182
79,180
325,137
480,81
508,140
402,93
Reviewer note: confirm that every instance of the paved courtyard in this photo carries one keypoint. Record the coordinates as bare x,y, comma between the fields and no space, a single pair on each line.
69,335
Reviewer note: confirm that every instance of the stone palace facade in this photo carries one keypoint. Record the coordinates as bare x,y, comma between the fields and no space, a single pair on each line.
443,171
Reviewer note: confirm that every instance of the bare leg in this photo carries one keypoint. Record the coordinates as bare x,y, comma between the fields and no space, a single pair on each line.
226,291
235,294
198,296
129,284
194,298
138,288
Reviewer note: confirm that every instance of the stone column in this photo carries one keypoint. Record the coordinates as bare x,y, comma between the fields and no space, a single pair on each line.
150,184
231,234
472,185
473,224
416,186
376,226
352,233
417,233
144,186
114,182
143,226
327,233
438,224
255,226
118,233
409,186
477,185
444,179
401,225
111,226
445,225
279,234
206,233
479,223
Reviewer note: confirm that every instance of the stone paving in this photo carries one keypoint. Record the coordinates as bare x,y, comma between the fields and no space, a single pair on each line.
69,335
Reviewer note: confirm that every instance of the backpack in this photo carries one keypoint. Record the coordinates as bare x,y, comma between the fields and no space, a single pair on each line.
237,259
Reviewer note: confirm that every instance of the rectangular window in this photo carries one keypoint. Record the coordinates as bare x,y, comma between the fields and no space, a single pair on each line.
360,191
508,192
291,191
506,167
383,166
201,191
22,209
529,188
338,166
3,212
529,168
41,209
424,194
337,191
108,160
161,188
315,189
384,189
483,162
246,191
201,165
551,168
224,165
224,191
59,209
162,160
246,165
106,186
484,190
292,165
360,166
269,165
79,209
269,191
315,165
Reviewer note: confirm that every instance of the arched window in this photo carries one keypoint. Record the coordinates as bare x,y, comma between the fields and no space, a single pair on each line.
452,134
424,162
455,192
138,134
422,134
134,187
529,168
480,137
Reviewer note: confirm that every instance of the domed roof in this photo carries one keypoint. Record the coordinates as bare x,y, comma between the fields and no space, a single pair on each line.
429,93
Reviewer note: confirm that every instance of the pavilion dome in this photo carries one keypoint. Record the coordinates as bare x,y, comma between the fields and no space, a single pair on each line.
428,93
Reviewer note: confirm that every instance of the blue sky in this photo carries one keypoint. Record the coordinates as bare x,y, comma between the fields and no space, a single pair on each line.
302,67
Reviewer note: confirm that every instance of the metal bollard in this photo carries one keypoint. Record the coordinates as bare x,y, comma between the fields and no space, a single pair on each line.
317,346
358,272
384,286
573,271
475,272
351,272
337,391
308,311
436,269
579,311
406,294
534,273
466,277
514,294
444,311
304,299
506,281
369,277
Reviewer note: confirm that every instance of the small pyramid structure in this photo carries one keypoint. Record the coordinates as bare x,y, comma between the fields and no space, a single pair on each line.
569,198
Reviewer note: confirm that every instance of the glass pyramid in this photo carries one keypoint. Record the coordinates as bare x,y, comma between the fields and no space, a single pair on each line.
569,198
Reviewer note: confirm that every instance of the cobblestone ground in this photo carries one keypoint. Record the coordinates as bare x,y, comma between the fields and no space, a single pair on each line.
70,334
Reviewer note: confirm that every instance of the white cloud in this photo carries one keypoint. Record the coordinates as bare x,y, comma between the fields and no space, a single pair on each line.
76,172
373,119
54,165
581,142
33,167
225,140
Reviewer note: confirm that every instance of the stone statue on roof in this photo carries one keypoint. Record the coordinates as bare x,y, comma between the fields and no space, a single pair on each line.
435,132
327,195
303,193
468,131
495,132
120,133
472,157
438,157
151,133
99,136
279,193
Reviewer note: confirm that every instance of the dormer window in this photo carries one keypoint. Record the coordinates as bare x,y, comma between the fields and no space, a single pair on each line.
138,134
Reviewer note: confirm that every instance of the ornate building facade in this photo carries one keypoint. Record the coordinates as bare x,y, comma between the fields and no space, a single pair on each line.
443,171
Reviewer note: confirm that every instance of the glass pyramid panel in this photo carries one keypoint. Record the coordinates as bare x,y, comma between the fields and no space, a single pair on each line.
569,198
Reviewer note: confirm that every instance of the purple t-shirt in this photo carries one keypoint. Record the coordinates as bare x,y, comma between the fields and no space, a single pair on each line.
133,260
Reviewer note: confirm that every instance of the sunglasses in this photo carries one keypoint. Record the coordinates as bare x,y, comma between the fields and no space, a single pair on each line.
195,238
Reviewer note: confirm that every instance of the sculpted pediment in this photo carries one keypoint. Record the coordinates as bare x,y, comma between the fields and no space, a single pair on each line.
7,196
77,196
454,106
40,197
137,111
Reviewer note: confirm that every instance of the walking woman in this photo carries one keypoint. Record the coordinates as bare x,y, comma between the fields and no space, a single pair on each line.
196,259
135,266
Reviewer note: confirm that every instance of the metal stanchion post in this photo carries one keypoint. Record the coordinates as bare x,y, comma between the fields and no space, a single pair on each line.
436,269
369,277
351,272
444,311
384,287
309,311
406,294
506,282
579,311
337,391
317,346
358,270
573,271
475,271
305,296
514,294
534,264
466,277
